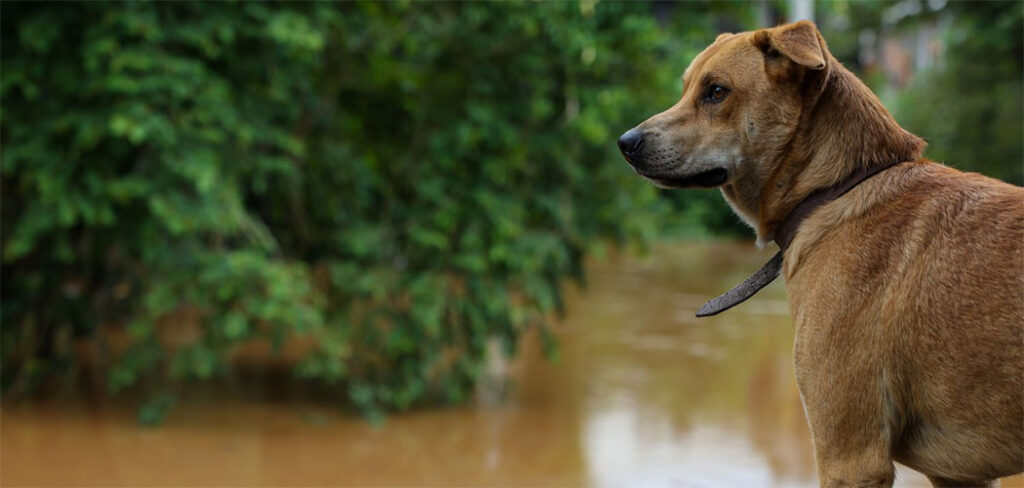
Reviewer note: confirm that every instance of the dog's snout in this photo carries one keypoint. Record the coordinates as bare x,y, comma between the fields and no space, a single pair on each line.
631,143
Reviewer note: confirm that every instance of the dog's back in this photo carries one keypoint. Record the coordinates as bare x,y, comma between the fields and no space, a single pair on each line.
923,271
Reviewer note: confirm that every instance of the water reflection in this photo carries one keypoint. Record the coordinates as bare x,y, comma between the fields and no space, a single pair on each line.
644,395
678,401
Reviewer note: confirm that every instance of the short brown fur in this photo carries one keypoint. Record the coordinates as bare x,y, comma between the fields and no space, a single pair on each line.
907,293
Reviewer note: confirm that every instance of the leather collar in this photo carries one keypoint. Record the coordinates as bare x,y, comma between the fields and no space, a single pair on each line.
784,235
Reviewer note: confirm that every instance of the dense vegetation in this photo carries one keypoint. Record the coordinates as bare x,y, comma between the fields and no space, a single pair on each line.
971,110
398,183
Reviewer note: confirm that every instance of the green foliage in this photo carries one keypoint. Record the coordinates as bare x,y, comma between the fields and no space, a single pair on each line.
971,109
400,182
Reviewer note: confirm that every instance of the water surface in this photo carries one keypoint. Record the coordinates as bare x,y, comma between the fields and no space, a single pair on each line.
643,395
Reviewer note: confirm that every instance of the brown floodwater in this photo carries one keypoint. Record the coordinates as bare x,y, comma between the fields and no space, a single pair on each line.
643,395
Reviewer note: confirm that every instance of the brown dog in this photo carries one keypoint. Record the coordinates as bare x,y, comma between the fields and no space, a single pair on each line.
907,292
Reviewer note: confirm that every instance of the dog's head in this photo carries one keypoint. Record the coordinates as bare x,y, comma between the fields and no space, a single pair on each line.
770,116
741,103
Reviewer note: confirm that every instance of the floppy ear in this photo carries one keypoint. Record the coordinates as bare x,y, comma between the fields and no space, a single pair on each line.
800,42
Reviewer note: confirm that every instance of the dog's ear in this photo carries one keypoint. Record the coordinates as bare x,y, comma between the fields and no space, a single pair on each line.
800,42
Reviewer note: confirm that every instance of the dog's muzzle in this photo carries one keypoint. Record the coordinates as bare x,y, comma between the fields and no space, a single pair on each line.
632,146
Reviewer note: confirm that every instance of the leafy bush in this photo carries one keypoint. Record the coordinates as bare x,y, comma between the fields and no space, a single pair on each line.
398,182
971,109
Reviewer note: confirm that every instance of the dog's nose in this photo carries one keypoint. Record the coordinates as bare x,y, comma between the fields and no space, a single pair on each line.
631,142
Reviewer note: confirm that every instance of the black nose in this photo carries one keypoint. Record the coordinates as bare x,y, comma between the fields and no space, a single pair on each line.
631,143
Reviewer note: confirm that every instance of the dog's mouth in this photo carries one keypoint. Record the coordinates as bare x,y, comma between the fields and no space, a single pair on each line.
706,179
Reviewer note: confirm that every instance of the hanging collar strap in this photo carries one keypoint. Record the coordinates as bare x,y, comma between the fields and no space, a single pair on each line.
784,235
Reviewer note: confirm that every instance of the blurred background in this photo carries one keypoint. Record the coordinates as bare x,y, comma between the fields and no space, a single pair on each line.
394,244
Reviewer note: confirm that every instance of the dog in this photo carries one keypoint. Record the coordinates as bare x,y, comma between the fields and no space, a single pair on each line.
905,277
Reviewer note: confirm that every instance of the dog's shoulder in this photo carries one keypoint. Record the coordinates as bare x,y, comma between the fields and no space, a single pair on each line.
908,208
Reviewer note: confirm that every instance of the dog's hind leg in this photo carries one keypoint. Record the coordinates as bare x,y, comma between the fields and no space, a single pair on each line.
850,420
868,466
850,444
854,461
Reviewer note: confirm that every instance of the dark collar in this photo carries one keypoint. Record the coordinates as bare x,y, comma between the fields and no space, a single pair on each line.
784,235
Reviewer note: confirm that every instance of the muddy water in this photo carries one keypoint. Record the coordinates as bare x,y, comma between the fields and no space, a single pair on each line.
643,394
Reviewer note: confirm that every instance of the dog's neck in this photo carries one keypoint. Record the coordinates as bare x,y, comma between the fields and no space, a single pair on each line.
843,129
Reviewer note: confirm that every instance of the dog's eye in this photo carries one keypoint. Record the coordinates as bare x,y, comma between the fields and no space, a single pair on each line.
716,93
